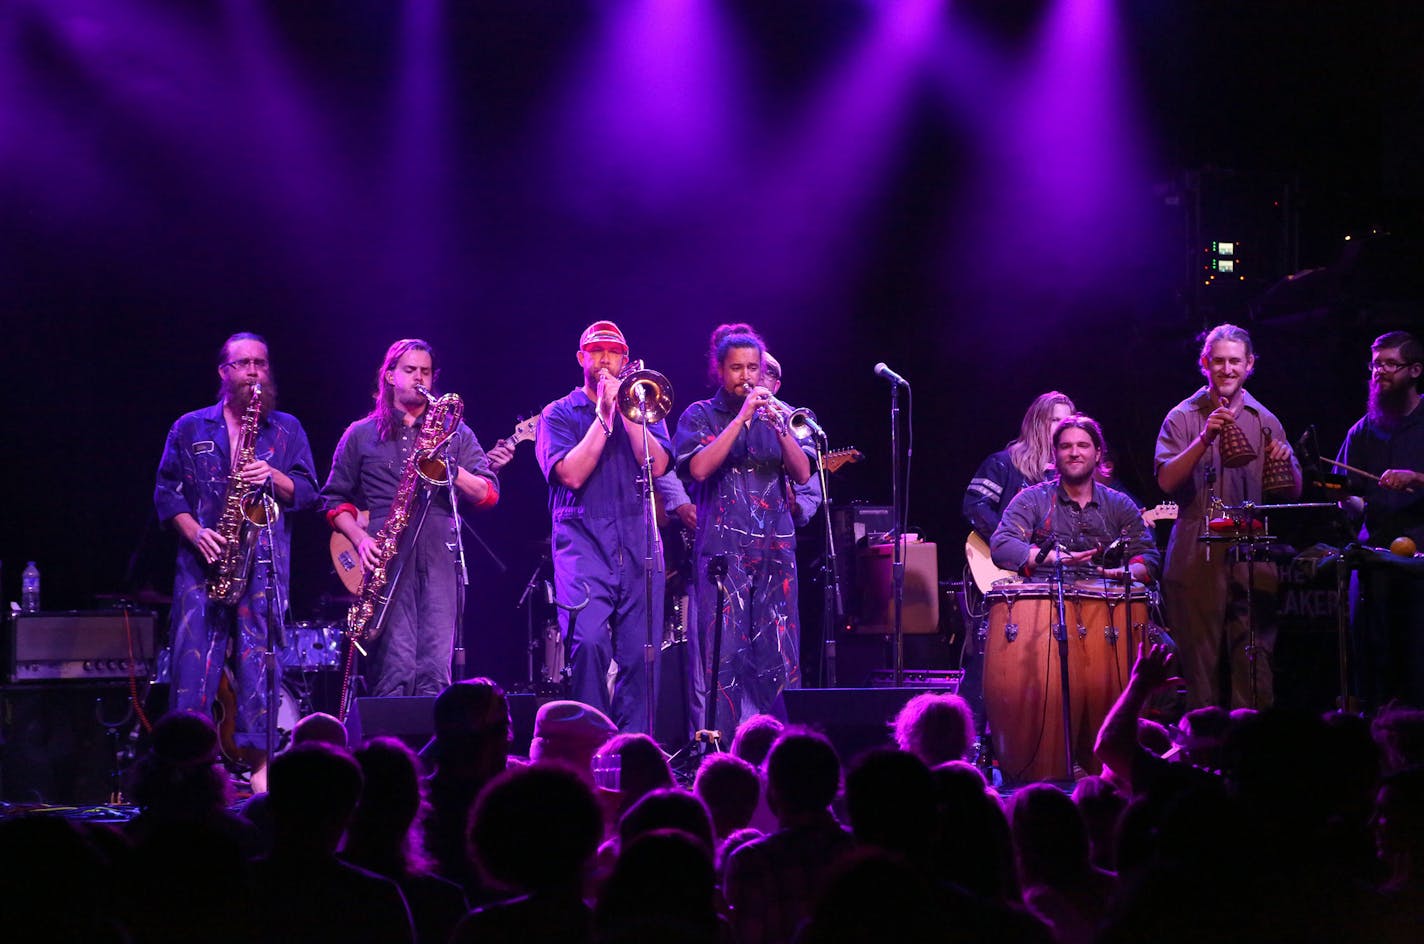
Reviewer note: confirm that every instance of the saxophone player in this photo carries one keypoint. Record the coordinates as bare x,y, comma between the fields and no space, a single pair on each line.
411,654
197,475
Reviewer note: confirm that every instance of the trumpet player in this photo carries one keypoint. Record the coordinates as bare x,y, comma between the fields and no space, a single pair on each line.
1204,588
411,656
198,468
739,460
591,453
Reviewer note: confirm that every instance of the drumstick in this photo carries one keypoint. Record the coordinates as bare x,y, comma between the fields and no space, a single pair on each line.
1349,468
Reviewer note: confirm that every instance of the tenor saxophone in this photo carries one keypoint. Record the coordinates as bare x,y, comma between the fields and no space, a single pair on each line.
425,464
245,511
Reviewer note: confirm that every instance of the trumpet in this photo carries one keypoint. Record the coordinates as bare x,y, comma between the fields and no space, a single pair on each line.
800,422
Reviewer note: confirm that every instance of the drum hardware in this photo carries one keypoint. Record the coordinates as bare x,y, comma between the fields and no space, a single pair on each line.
1246,537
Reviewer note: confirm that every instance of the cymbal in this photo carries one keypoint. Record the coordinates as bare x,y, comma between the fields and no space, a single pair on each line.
146,597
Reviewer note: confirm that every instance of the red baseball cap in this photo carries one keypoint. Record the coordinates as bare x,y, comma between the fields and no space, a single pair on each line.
603,332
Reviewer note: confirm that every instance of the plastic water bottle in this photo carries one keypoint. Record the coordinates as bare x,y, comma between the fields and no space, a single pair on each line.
30,589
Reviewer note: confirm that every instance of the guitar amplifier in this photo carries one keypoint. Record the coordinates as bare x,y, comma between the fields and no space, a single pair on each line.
80,646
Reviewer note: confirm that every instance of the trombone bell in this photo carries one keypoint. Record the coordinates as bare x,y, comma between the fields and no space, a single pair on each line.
645,396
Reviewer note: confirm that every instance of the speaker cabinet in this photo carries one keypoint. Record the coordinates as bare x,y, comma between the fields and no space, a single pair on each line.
56,745
875,577
411,718
855,719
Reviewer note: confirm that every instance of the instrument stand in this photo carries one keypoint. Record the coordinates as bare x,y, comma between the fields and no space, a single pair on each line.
1250,539
462,573
897,551
1342,627
1060,634
708,733
112,730
832,605
410,539
526,603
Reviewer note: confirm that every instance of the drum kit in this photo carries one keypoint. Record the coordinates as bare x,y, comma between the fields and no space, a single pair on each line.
313,648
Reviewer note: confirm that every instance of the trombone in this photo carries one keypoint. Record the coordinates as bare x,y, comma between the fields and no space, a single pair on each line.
644,396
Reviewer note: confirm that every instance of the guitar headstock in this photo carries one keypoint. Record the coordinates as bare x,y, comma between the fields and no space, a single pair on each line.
1166,511
524,430
836,458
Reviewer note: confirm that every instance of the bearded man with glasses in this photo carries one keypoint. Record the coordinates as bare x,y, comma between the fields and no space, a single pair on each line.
1387,595
211,638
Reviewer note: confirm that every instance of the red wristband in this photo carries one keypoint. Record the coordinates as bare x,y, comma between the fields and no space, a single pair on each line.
490,500
344,506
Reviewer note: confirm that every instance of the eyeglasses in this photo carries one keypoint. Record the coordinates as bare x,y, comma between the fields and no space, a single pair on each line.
1387,367
247,363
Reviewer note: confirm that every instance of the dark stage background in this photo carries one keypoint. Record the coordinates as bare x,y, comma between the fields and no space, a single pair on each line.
996,198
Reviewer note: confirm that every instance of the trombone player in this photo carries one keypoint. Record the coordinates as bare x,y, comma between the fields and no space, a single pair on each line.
591,453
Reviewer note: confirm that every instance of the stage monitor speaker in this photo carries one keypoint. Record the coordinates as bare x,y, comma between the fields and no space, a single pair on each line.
855,719
54,741
80,646
411,718
874,570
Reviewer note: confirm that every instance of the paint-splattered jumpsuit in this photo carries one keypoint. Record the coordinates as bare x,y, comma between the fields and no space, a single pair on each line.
193,477
743,511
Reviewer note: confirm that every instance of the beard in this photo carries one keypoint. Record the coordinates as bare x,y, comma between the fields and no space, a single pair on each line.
239,394
1070,479
1386,405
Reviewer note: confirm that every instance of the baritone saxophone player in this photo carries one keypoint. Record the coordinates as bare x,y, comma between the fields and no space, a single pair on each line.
411,655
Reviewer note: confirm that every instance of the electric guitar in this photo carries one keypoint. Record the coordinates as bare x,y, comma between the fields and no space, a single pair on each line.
343,554
986,573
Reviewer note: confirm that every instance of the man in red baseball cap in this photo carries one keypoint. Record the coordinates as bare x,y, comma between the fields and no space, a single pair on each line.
592,456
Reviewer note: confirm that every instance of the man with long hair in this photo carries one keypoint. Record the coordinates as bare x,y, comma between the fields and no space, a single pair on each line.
411,655
212,637
1388,601
1021,463
1205,589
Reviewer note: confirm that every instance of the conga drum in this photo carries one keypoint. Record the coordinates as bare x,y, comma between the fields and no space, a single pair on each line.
1023,700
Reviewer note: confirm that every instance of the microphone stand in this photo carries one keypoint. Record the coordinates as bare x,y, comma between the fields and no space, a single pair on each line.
275,629
462,574
897,546
1060,633
651,542
832,606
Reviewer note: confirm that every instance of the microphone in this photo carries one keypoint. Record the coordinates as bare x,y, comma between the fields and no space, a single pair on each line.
895,379
1043,552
